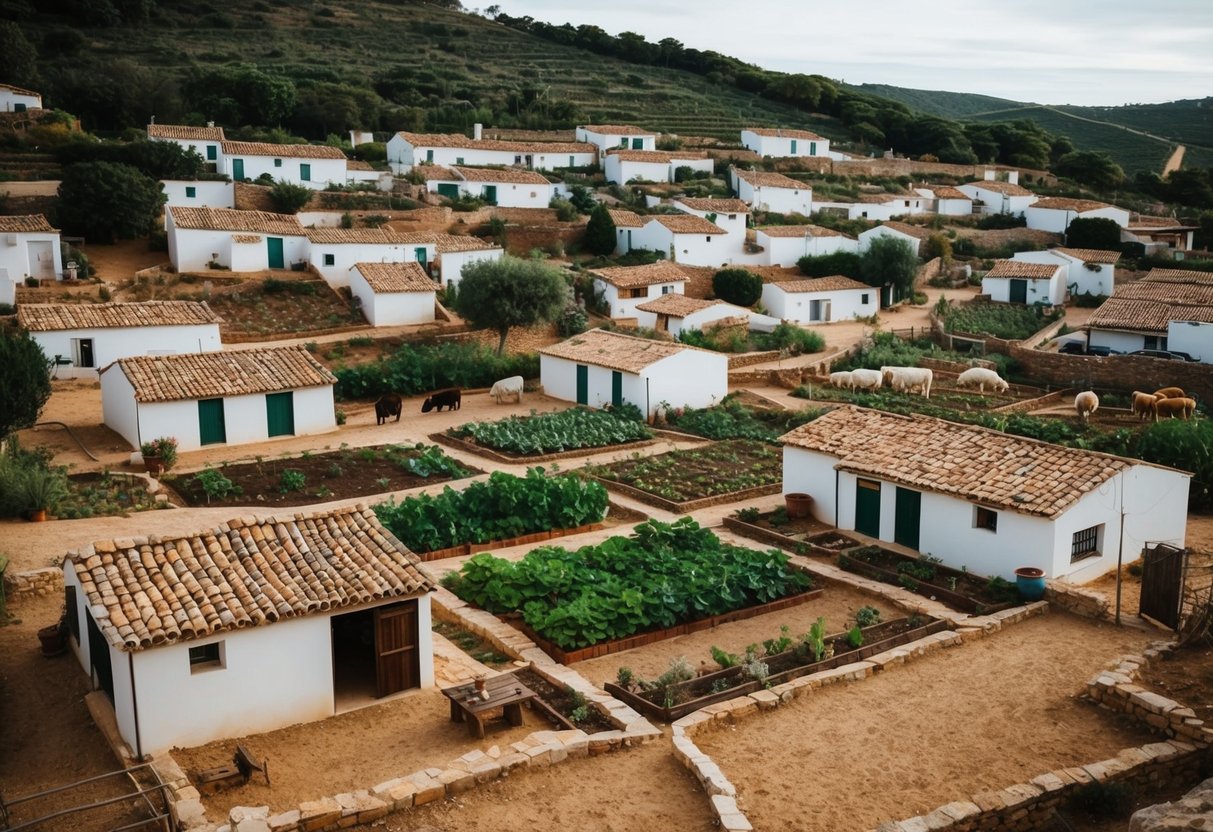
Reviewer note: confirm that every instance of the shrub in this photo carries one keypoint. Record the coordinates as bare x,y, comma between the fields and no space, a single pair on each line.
215,484
563,430
866,616
787,336
572,321
599,232
1187,446
737,286
994,222
841,262
164,447
419,368
565,210
289,198
292,479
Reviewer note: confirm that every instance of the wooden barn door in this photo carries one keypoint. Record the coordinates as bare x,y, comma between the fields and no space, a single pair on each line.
397,659
867,507
1162,583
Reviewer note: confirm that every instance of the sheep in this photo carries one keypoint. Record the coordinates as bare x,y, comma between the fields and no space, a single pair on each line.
511,386
450,398
389,404
904,379
866,379
1170,393
842,378
1086,403
1172,408
1143,404
980,377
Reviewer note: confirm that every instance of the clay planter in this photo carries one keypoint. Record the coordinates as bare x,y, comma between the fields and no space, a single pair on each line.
154,465
36,515
1030,582
798,504
53,640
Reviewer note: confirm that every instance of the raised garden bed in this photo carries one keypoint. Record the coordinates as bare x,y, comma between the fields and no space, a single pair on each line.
104,494
958,589
504,543
803,535
682,481
311,478
563,707
472,447
577,429
669,703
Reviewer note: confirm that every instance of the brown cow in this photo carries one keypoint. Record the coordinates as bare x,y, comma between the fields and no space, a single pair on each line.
1172,408
388,404
1170,393
1143,404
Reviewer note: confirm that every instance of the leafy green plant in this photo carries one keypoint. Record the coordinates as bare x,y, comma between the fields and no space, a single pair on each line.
1002,591
748,515
215,485
724,658
866,616
292,479
815,638
775,646
554,432
625,678
855,637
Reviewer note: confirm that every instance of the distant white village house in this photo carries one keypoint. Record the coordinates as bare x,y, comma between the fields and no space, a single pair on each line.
784,143
608,136
786,244
242,241
405,150
624,288
18,100
205,141
312,165
765,191
1019,281
503,187
675,313
1168,309
995,197
820,300
624,166
393,294
1056,213
29,248
1086,271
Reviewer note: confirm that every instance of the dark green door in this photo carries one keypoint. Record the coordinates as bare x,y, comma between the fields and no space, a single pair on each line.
19,107
237,169
793,147
280,413
637,144
867,507
305,172
583,384
448,190
490,194
907,516
274,252
420,254
212,430
616,388
1019,291
212,153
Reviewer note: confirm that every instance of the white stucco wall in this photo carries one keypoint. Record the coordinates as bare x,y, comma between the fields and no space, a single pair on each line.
797,307
866,238
207,193
509,194
190,250
1058,220
1052,290
31,254
786,251
997,203
119,412
606,141
452,263
779,200
210,151
9,99
690,249
782,146
345,255
392,309
621,172
402,156
954,207
323,171
692,378
1117,340
1193,337
113,343
622,307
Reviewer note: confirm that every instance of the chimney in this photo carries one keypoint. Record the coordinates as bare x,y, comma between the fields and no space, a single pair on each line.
210,124
1013,177
153,121
477,131
989,175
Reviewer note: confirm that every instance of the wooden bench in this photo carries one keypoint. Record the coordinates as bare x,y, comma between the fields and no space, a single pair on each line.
237,774
506,694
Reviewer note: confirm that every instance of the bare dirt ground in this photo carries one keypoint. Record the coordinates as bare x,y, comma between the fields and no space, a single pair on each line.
118,262
986,715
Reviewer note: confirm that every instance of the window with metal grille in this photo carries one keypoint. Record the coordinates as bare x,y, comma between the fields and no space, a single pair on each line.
1085,543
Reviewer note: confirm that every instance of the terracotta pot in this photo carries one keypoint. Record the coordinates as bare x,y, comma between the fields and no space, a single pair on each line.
37,515
798,504
153,464
53,640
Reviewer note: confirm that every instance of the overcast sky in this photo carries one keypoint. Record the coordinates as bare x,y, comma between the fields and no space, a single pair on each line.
1092,52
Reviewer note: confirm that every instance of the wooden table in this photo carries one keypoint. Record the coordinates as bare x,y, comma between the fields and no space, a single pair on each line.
505,693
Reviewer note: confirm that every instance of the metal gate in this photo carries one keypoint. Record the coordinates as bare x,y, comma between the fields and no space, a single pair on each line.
142,805
1162,583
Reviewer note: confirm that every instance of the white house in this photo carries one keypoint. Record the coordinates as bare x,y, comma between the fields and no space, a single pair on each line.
404,150
685,238
200,193
334,251
980,499
626,287
1086,271
312,165
92,335
18,100
393,294
1166,309
503,187
675,312
775,141
627,226
1159,234
598,368
1055,213
914,235
820,300
624,166
458,251
254,625
730,214
218,398
29,247
243,241
607,136
879,206
1018,281
772,192
992,197
946,200
205,141
786,244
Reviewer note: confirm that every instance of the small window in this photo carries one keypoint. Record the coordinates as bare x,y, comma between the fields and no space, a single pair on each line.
330,259
190,192
459,160
863,298
623,142
665,290
1085,543
708,237
72,612
277,163
517,160
985,518
206,657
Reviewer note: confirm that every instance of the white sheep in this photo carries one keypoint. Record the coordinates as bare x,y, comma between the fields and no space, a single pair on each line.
1086,403
866,379
904,379
980,377
511,386
842,378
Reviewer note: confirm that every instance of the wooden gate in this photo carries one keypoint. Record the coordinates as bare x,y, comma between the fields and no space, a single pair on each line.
1162,583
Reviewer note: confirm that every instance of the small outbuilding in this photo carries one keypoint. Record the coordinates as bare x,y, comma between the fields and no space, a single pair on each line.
393,294
1168,309
820,300
1018,281
784,143
608,136
995,197
769,191
29,248
206,141
18,100
784,245
313,166
242,241
674,313
503,187
626,287
1085,271
913,235
1055,213
254,625
332,252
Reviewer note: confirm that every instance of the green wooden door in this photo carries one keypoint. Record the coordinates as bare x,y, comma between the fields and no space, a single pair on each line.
907,517
212,430
867,507
793,147
273,250
448,190
280,413
237,169
1019,291
305,172
812,148
19,107
421,256
583,384
490,194
637,144
212,153
616,388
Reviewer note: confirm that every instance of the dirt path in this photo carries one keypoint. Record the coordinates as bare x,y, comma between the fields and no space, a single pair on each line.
1175,161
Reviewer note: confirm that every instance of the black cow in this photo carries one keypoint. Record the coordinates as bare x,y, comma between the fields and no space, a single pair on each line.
450,398
389,404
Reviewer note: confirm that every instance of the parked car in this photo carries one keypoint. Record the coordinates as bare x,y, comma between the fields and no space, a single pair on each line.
1173,355
1079,348
1102,351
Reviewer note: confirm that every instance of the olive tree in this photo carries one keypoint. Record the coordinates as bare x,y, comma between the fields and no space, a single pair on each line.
889,261
25,383
509,292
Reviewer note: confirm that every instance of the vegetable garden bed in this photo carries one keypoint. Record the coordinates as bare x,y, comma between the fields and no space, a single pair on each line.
957,588
797,534
682,481
104,494
549,435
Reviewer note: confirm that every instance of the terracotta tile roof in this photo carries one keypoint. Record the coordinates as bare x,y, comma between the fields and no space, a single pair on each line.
205,375
515,176
1159,223
1004,188
626,277
833,283
1057,203
947,192
1141,315
717,206
975,464
51,317
360,236
764,179
289,151
919,232
617,130
800,231
658,157
19,90
676,305
625,219
436,173
31,223
395,278
185,131
1177,292
460,141
247,572
687,224
246,238
229,219
779,132
613,350
358,164
1020,270
1089,255
884,199
458,242
1178,276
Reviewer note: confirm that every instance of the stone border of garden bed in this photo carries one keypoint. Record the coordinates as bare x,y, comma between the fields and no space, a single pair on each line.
619,645
34,582
537,537
498,456
1024,806
690,505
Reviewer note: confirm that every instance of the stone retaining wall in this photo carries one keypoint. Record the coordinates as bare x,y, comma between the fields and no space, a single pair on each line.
36,582
1079,601
1121,372
745,359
